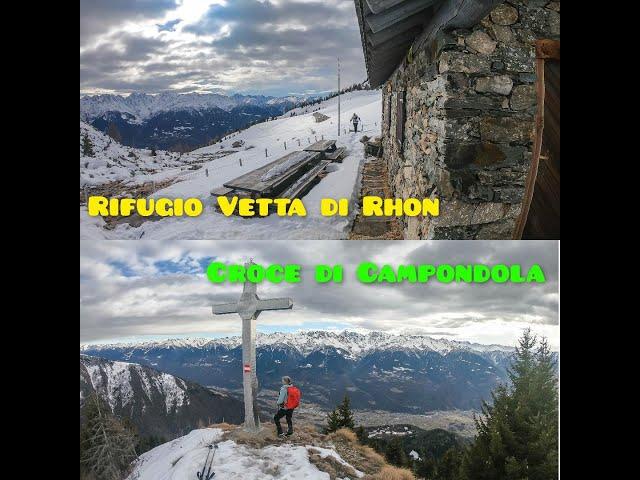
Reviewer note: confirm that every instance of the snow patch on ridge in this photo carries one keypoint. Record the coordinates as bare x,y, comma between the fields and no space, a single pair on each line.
112,380
182,457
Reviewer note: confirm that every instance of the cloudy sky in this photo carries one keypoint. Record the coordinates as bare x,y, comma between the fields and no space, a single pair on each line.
148,290
273,47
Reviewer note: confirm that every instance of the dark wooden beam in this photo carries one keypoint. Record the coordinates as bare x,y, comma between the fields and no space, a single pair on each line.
530,183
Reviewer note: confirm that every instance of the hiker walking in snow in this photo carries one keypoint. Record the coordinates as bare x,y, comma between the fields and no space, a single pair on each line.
288,400
355,119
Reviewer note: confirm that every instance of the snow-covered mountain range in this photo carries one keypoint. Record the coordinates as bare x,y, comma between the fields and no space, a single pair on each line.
143,106
348,343
157,403
178,122
401,373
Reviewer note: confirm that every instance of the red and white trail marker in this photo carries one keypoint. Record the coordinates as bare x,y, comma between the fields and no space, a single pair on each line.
246,368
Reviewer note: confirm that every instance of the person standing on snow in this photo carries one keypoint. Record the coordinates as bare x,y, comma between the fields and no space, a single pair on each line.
355,119
288,400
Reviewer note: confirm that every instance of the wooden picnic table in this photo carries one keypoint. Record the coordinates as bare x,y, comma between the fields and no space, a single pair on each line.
269,177
321,146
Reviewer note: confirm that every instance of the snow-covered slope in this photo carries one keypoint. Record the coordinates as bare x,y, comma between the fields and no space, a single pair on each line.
341,182
350,344
104,161
113,381
156,402
182,458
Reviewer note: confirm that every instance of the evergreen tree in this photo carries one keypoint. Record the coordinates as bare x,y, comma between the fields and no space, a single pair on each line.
340,417
395,454
425,467
346,414
518,432
87,146
107,447
333,421
448,467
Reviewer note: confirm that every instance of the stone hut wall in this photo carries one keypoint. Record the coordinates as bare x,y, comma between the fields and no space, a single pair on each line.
470,104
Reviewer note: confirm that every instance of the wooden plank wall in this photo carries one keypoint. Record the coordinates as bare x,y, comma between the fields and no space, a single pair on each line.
541,207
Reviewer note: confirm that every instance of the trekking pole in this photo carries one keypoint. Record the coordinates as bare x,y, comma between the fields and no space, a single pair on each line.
208,465
211,474
200,475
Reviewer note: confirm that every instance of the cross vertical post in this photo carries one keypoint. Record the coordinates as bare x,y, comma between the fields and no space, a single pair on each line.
249,308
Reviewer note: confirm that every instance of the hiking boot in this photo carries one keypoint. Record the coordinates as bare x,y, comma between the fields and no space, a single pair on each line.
288,434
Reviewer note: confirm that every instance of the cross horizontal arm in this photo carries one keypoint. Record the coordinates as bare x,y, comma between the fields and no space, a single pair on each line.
225,308
274,304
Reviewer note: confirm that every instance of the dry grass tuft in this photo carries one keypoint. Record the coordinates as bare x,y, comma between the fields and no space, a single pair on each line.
224,426
371,457
362,457
330,465
389,472
256,440
307,434
344,434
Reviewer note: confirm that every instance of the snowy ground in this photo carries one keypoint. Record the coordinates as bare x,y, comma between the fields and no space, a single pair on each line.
341,182
112,162
183,457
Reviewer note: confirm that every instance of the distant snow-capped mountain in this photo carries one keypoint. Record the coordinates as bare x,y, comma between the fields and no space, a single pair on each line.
157,403
350,344
403,373
176,121
143,106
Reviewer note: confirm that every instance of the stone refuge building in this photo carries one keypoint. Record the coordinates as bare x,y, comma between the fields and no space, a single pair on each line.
471,112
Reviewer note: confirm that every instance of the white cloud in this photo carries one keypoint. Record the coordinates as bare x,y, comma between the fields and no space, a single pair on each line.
160,288
244,46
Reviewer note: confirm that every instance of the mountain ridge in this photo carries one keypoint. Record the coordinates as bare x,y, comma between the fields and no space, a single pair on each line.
157,403
144,105
411,374
353,342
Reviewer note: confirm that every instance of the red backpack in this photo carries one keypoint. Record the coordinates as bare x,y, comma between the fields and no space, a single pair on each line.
293,398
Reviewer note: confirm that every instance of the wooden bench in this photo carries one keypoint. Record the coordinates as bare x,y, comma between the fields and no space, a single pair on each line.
291,176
